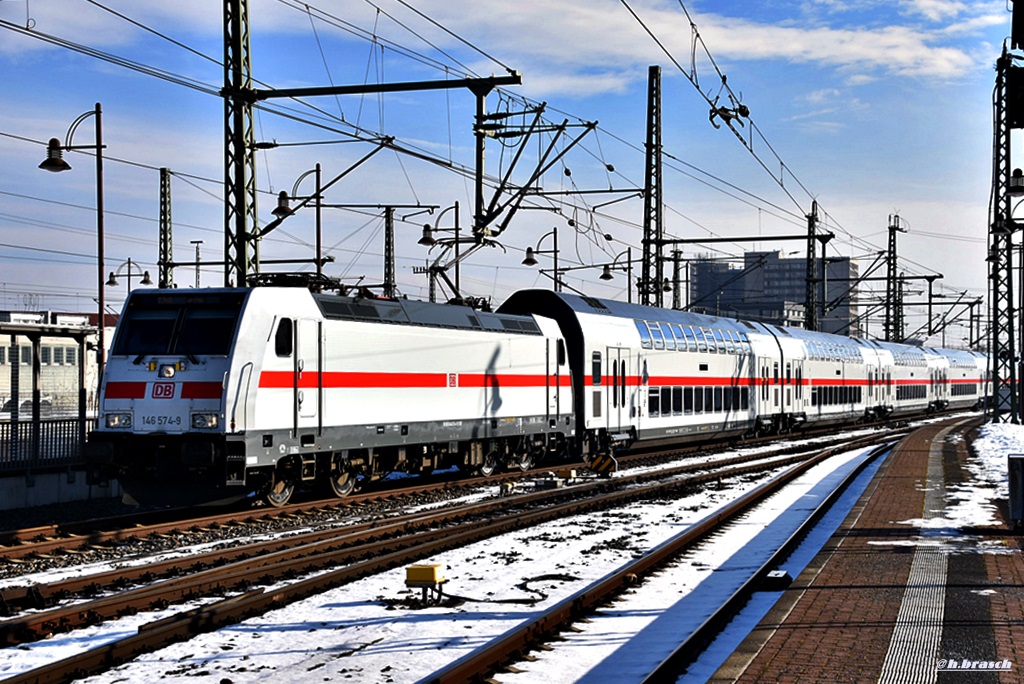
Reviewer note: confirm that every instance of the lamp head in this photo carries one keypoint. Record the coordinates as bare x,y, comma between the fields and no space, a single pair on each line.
283,208
530,259
428,239
606,273
146,280
112,280
54,157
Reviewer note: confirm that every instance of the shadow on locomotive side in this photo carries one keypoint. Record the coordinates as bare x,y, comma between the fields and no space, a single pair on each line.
213,396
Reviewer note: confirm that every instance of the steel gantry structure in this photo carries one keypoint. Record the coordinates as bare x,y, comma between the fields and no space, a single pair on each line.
241,231
1008,106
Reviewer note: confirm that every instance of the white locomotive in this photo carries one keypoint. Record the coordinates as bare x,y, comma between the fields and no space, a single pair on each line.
221,394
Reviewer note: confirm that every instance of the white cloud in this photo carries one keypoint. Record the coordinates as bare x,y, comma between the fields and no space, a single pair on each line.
935,10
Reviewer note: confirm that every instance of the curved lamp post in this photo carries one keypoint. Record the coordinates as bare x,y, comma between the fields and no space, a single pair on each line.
532,252
128,275
55,162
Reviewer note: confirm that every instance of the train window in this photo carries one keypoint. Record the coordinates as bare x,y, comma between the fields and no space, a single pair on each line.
595,371
775,369
691,341
730,346
698,400
745,398
719,342
659,340
719,400
687,400
283,339
789,373
654,404
677,401
709,399
645,334
709,338
561,352
622,383
666,401
677,333
736,398
670,341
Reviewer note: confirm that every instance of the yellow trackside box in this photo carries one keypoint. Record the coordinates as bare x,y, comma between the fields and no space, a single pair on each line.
424,575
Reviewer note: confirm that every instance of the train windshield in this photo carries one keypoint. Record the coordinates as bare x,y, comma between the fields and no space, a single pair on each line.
185,324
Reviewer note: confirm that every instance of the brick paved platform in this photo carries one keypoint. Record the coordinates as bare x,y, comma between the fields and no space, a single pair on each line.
891,601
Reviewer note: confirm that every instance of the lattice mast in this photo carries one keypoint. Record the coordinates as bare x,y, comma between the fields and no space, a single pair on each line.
652,271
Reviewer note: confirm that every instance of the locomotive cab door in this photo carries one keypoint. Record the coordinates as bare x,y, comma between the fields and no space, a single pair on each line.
308,376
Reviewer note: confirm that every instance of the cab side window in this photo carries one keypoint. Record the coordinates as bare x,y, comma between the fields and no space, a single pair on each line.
283,338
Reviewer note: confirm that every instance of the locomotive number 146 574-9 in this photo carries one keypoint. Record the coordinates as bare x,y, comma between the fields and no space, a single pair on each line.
161,420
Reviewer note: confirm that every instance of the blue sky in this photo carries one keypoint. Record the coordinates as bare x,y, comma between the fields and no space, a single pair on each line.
873,107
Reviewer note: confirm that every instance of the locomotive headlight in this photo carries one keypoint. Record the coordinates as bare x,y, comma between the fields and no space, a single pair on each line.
167,370
204,421
119,420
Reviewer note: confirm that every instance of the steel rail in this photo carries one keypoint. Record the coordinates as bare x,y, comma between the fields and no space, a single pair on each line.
229,611
305,553
483,662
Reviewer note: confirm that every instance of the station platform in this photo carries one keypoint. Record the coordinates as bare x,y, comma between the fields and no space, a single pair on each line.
888,599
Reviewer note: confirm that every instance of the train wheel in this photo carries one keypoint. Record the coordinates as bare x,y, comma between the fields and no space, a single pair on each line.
280,493
342,480
524,461
490,464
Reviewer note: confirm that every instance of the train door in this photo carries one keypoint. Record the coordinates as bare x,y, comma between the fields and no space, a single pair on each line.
619,397
797,384
308,376
555,362
768,393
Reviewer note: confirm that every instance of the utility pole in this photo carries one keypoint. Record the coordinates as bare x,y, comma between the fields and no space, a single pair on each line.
811,296
241,254
892,281
197,243
1009,114
650,285
165,272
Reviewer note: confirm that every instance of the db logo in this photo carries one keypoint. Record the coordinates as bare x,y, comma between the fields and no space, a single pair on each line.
163,390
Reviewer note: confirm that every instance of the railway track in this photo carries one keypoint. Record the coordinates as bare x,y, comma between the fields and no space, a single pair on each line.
101,535
352,552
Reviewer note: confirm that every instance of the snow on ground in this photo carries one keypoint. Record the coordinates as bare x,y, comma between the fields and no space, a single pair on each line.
363,633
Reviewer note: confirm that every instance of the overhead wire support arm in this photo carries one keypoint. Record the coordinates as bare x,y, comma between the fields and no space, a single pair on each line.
477,85
277,222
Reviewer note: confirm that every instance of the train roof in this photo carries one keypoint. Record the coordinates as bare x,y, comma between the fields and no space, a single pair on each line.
551,304
428,314
548,303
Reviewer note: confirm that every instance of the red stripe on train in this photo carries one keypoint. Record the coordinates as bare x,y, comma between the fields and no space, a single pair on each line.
125,390
201,390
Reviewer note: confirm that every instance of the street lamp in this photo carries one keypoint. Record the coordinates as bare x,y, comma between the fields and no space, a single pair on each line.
128,275
606,273
531,252
428,240
55,162
283,209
